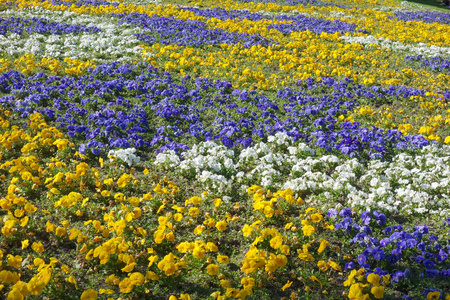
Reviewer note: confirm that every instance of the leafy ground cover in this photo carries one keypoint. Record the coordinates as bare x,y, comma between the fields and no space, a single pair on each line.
224,150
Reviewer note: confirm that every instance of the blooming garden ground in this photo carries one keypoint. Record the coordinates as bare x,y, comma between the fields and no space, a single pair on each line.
294,149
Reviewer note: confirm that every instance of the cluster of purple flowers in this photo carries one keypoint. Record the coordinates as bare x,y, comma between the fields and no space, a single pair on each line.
424,16
316,25
40,25
112,105
83,106
318,115
168,30
436,63
403,254
299,22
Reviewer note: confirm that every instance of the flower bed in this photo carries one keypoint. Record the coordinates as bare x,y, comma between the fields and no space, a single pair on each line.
223,150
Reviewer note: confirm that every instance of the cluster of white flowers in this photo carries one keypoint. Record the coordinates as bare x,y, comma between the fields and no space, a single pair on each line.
219,168
410,184
168,158
410,6
419,48
208,162
117,41
126,155
341,15
404,6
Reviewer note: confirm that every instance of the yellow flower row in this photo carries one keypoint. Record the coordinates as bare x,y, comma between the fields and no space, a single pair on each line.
307,56
375,21
29,64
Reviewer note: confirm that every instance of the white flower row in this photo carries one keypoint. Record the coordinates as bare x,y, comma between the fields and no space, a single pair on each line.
404,6
409,6
409,184
420,48
116,41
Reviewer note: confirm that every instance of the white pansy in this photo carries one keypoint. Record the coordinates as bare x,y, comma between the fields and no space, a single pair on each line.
226,199
126,155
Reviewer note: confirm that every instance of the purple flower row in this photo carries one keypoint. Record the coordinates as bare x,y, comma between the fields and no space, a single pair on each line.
112,104
41,25
85,3
424,16
300,22
168,30
387,248
296,2
436,63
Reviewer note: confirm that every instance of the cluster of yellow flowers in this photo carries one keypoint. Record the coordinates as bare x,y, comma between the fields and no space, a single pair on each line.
373,284
30,64
5,64
26,173
32,172
427,115
312,222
